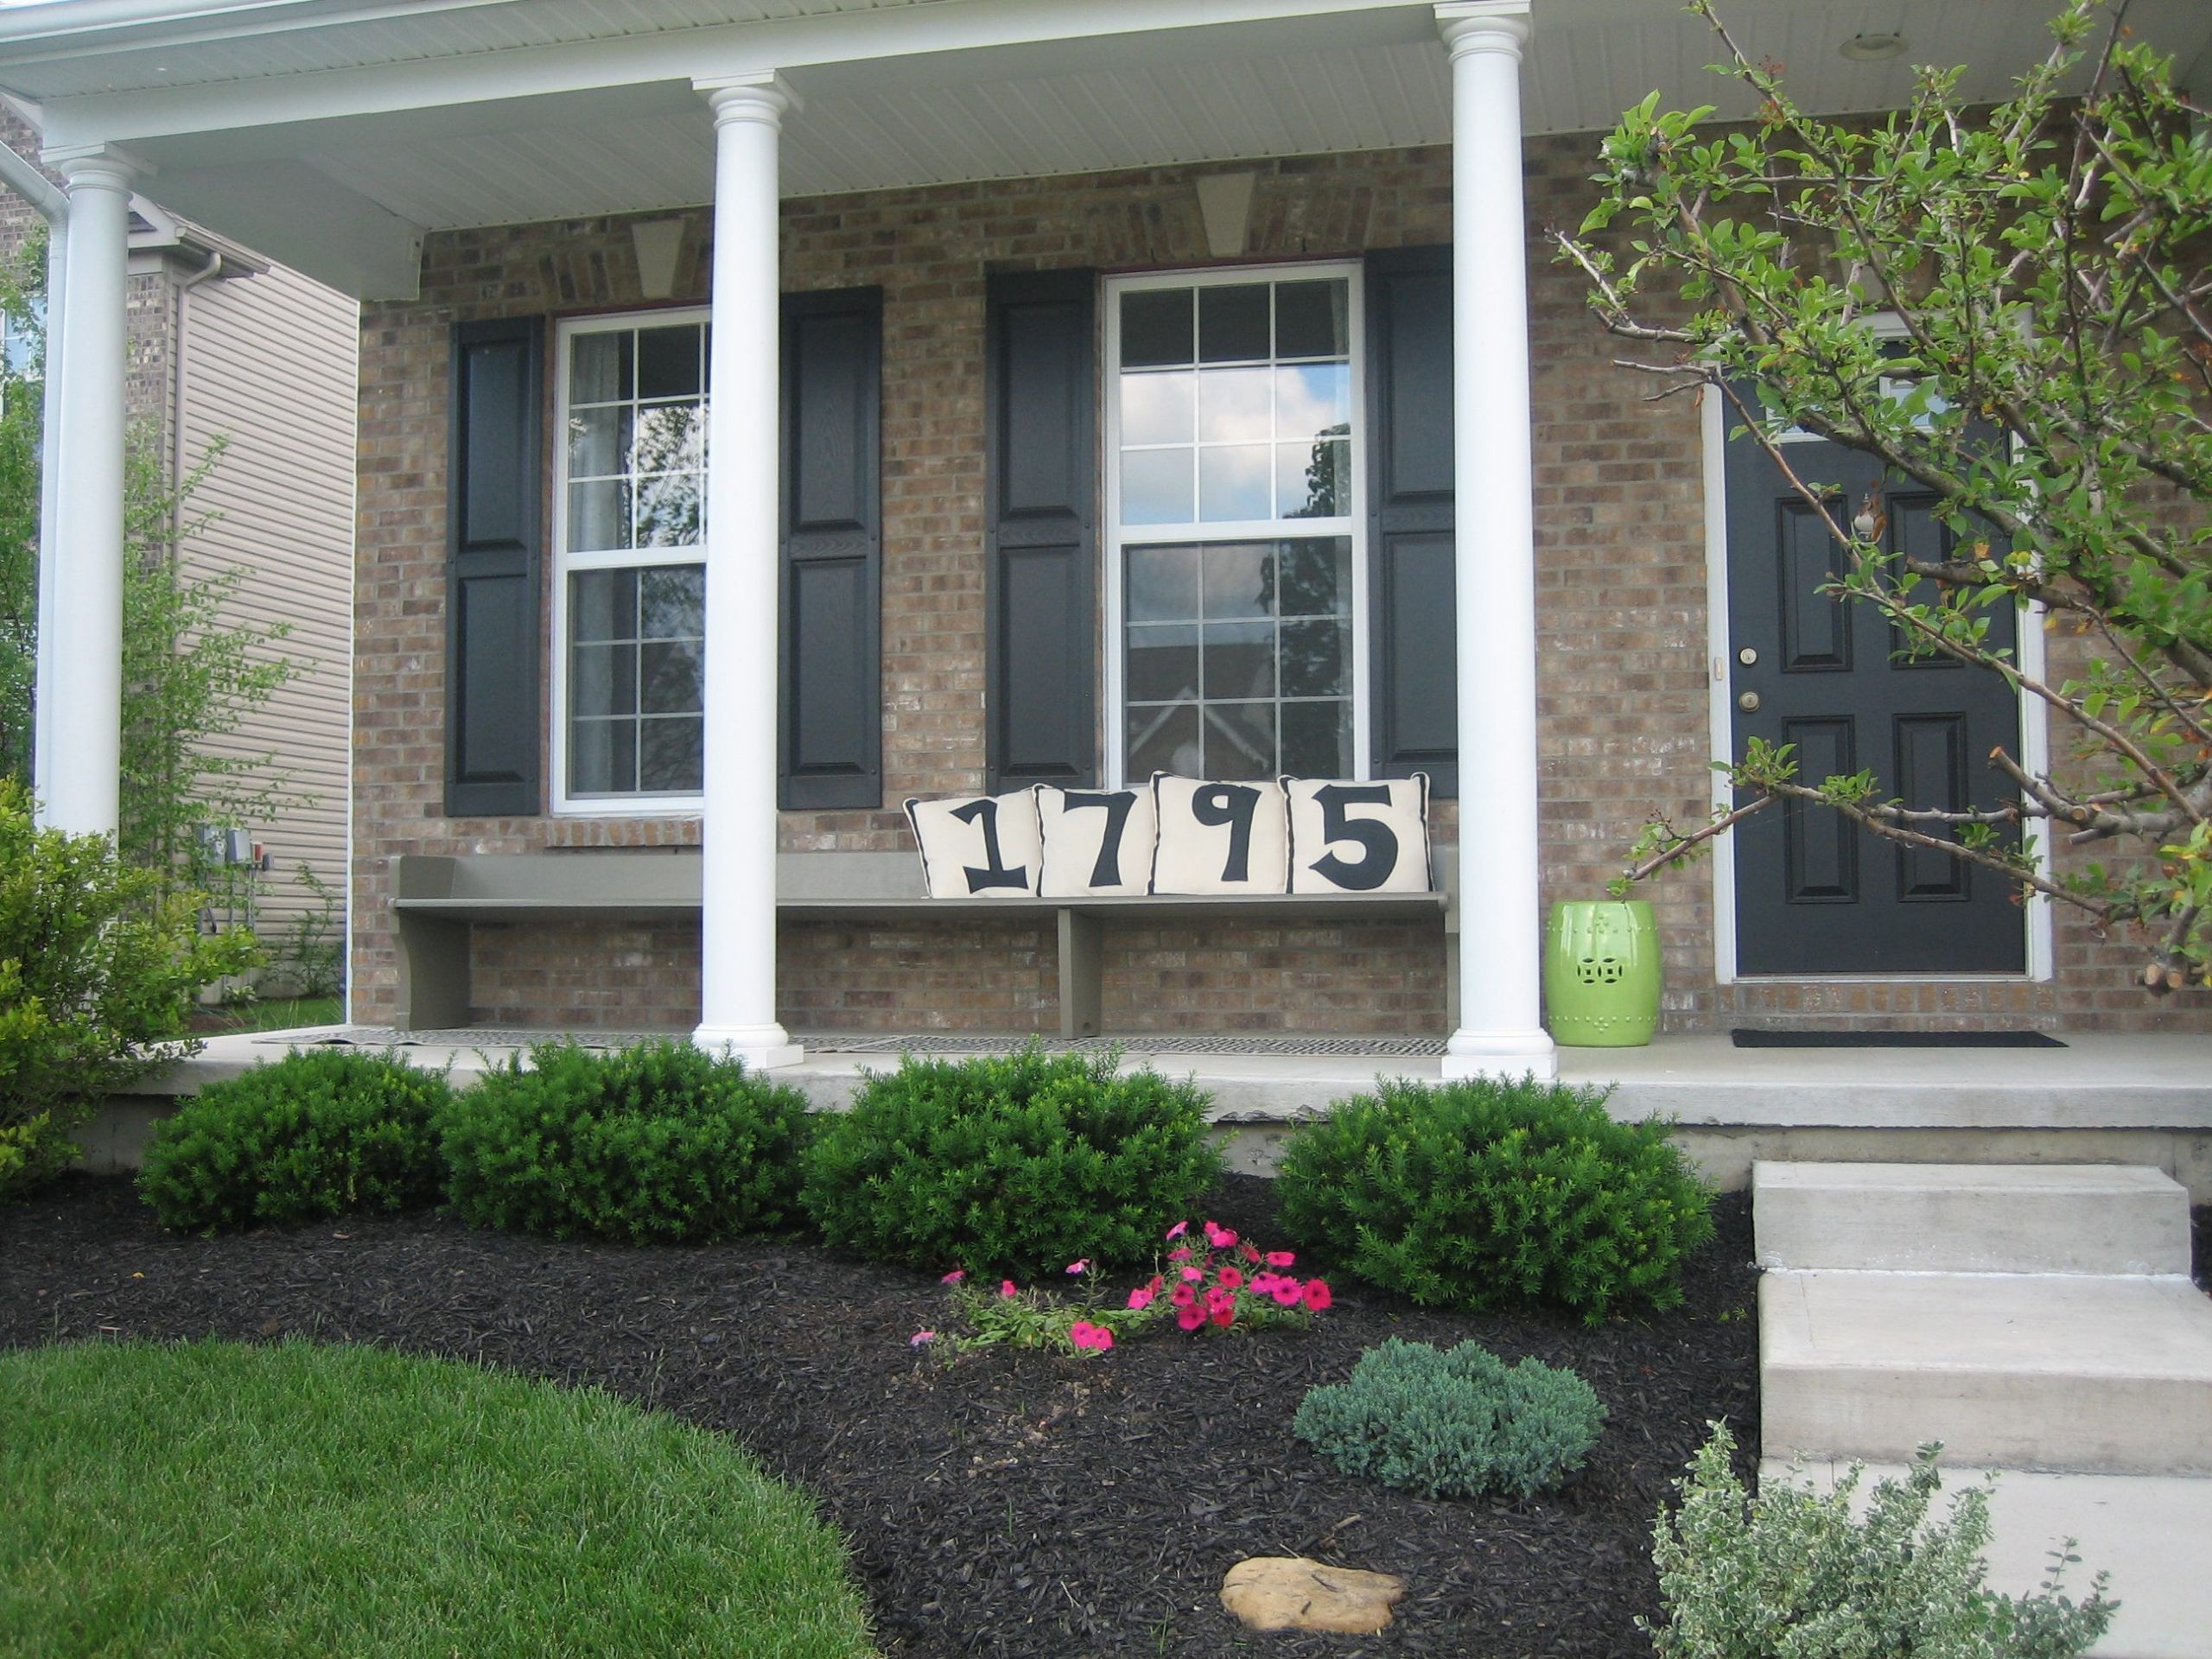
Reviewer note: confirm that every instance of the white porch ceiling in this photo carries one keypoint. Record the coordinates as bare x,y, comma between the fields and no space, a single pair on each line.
333,135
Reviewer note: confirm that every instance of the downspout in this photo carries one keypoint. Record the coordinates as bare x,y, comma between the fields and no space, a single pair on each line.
52,206
178,386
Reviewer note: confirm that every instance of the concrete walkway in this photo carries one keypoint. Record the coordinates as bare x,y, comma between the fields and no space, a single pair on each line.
2040,1324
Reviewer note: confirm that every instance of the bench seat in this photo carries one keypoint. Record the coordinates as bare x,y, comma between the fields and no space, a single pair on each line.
436,898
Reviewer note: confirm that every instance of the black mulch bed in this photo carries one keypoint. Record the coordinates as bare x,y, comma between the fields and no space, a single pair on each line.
1014,1504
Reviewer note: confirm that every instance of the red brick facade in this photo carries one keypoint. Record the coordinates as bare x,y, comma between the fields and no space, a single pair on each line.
1622,603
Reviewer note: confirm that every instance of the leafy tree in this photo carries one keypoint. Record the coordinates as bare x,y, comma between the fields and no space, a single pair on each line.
2049,264
98,965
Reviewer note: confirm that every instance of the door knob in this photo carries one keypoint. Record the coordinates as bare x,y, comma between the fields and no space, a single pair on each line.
1748,702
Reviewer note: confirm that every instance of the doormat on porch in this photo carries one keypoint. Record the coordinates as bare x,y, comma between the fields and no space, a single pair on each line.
1751,1038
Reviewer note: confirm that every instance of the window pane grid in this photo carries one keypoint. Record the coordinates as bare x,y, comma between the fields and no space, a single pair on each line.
1238,658
634,420
1211,433
635,719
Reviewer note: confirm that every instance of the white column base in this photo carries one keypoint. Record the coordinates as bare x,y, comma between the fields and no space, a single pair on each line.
762,1048
1508,1056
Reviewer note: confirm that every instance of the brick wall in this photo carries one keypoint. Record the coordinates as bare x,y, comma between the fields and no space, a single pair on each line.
1621,623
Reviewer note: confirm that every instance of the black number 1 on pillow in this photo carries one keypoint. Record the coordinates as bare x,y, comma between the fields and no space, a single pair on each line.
984,815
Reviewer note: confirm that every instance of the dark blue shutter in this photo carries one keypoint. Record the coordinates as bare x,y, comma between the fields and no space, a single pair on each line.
831,715
495,478
1410,516
1041,529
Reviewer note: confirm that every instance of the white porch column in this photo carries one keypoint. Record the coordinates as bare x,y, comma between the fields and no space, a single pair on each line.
738,913
1500,1029
81,646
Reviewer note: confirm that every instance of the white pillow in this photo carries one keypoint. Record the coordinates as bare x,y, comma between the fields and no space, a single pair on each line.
979,846
1097,842
1359,837
1220,837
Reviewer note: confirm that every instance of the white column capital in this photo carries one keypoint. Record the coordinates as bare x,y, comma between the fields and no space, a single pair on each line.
761,95
97,167
1484,26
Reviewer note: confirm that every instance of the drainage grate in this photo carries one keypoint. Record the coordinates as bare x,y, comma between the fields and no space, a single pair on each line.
469,1037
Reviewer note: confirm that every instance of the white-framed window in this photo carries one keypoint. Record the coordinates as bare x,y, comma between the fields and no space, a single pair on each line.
629,539
1235,583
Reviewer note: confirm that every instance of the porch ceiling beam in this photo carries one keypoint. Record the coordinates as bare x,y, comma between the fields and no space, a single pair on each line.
995,39
293,213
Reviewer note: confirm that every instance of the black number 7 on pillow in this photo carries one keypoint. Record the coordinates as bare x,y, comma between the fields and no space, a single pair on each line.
1359,837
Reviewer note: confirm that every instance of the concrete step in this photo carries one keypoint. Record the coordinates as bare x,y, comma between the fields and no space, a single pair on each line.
2084,1218
2152,1534
2060,1372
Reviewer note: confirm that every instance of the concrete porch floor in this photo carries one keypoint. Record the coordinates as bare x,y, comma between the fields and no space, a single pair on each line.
2103,1098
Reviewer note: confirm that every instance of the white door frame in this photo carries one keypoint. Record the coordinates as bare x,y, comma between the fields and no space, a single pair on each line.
2035,744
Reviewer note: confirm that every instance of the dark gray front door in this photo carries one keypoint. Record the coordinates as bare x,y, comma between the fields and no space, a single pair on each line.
1814,894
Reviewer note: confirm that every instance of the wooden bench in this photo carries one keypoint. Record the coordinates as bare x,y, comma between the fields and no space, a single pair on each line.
436,898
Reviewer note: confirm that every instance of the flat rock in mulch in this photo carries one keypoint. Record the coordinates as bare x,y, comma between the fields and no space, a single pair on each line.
1288,1592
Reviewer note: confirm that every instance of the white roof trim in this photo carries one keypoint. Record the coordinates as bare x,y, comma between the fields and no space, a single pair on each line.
1019,27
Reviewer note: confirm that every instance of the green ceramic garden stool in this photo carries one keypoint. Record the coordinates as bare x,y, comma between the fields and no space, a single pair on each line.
1601,974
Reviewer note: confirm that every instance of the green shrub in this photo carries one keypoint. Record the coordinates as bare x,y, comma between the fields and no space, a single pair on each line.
317,1133
98,971
1018,1163
1791,1575
1454,1422
1477,1193
653,1143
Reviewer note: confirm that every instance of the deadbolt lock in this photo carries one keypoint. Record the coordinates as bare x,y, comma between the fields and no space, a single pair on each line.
1747,656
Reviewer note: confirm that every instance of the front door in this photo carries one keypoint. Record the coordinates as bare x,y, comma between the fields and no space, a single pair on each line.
1816,894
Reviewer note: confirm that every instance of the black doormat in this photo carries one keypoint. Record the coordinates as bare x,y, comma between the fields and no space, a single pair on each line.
1747,1038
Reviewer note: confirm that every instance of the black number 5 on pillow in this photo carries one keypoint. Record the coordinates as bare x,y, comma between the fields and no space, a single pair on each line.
1359,837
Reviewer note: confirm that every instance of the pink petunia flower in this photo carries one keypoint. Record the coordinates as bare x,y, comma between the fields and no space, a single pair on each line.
954,1277
1183,1296
1152,1284
1281,1258
1226,1315
1317,1294
1288,1292
1192,1275
1080,1265
1005,1287
1220,1237
921,1339
1231,1278
1179,1229
1190,1318
1249,1250
1141,1296
1084,1334
1263,1283
1218,1299
1101,1339
1181,1253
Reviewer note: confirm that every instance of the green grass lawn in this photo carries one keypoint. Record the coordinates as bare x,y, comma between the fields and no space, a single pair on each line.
275,1013
214,1498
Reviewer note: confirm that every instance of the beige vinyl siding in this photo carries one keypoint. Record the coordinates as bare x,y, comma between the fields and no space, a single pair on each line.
268,362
